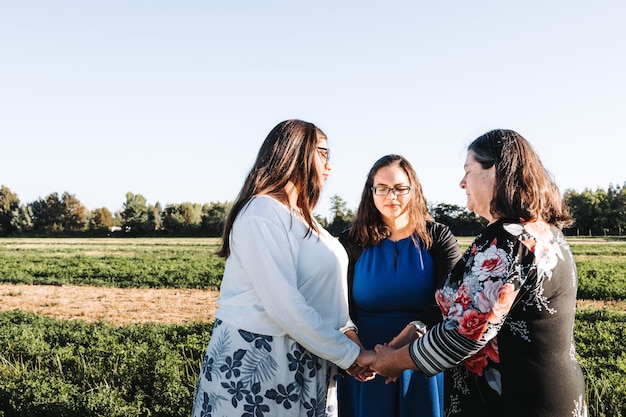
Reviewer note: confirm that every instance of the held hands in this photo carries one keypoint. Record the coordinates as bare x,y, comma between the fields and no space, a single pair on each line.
384,363
360,369
383,360
387,360
392,358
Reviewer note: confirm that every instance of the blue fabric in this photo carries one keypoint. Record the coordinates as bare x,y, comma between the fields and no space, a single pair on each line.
393,283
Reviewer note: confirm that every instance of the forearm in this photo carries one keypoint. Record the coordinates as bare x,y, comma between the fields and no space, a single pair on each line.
405,337
352,335
441,349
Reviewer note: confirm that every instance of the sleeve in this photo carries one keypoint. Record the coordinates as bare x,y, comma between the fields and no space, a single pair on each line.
354,252
275,282
446,253
475,311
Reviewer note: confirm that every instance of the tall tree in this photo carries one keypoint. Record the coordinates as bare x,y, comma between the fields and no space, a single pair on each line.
214,217
100,219
47,214
585,209
22,220
155,219
461,221
8,204
135,214
342,216
58,215
74,215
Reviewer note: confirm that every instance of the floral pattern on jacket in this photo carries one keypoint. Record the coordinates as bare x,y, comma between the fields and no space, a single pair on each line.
509,308
493,276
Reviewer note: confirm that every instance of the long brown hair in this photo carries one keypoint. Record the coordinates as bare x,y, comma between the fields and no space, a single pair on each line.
287,154
369,229
524,190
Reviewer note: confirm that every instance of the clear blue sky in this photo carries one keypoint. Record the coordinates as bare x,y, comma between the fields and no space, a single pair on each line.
172,99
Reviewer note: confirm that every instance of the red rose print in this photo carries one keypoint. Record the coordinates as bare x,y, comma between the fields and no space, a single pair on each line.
491,350
463,296
442,301
476,363
472,324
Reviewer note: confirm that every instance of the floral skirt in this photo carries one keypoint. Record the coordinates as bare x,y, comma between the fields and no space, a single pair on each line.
248,374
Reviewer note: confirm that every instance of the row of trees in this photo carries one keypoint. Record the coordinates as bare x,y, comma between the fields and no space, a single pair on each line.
599,212
65,215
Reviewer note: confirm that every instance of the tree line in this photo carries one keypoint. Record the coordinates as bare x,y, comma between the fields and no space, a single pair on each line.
600,212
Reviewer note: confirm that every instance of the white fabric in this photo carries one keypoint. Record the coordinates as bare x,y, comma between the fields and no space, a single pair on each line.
277,281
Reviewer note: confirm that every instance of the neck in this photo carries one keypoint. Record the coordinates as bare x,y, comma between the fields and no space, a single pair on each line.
491,219
399,228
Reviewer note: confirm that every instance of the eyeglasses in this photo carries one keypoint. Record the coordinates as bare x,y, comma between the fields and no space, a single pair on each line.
397,190
324,154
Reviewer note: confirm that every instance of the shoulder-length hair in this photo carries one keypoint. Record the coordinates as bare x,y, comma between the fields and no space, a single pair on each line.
524,189
369,229
287,154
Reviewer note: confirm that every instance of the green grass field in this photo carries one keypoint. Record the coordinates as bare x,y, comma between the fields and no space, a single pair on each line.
53,367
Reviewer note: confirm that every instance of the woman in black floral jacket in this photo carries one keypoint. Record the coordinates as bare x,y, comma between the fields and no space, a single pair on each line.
509,304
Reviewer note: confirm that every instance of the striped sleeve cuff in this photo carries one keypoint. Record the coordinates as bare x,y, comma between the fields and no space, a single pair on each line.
441,349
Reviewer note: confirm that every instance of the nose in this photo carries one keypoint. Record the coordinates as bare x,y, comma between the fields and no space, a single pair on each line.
462,183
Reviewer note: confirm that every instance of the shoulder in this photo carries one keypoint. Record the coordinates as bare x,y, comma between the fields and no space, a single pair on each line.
435,227
263,204
343,236
439,231
265,208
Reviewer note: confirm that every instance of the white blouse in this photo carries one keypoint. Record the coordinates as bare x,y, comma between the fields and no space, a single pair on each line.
278,282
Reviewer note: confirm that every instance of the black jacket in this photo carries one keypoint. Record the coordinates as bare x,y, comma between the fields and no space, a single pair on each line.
445,252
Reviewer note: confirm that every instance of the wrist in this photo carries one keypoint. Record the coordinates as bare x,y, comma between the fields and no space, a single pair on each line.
420,327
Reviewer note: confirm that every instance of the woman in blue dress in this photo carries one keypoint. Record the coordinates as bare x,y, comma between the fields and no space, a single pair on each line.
398,257
506,344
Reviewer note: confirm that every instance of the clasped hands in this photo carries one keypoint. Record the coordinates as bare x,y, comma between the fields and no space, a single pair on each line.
387,360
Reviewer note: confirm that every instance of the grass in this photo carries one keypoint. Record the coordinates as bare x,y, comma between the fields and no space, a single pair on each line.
138,263
71,368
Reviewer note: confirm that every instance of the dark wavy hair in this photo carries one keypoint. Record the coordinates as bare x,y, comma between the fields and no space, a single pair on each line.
524,189
287,154
369,229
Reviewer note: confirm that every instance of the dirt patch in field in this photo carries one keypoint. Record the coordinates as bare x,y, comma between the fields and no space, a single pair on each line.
121,306
599,305
116,306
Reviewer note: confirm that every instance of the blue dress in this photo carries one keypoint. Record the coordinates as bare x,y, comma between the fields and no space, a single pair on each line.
393,283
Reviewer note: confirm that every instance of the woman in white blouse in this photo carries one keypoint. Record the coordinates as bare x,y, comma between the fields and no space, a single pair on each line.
282,326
